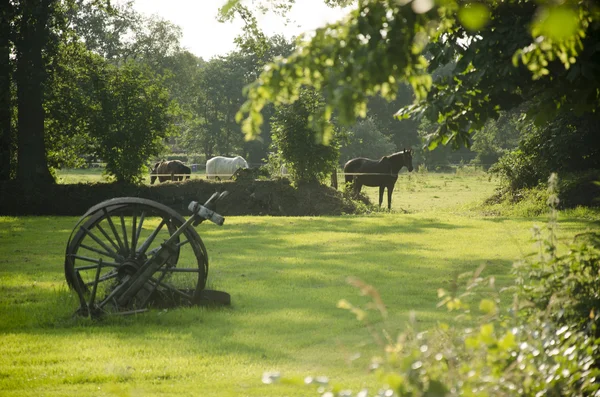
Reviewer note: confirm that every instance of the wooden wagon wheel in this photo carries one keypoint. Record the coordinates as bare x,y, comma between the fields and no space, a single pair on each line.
127,254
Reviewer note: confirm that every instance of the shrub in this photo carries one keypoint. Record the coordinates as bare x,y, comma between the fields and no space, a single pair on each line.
569,144
307,154
517,169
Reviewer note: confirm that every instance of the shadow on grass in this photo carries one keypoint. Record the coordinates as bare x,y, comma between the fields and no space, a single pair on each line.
285,276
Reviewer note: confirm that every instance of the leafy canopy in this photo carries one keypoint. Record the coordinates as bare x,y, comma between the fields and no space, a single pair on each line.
502,54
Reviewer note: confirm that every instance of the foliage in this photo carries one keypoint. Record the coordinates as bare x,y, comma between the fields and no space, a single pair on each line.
216,96
442,157
496,138
563,288
546,344
503,54
69,105
221,85
295,137
134,116
401,132
365,140
60,50
569,144
105,29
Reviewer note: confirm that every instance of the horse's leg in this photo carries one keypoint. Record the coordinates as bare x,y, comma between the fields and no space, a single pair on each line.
381,189
390,191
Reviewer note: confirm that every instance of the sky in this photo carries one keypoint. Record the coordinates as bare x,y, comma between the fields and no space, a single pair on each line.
205,37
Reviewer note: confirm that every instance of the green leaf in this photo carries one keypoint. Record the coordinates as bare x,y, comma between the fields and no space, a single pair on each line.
508,341
474,16
556,23
487,306
486,334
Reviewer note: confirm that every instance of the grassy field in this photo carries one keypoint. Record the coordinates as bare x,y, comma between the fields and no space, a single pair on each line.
285,276
95,175
414,192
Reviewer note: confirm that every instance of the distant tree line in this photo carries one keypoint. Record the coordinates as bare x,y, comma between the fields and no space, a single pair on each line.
512,80
84,79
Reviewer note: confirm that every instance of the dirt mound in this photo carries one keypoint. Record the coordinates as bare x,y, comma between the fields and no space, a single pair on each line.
246,197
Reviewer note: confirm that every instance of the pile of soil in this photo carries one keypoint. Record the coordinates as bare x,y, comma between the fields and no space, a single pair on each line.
247,196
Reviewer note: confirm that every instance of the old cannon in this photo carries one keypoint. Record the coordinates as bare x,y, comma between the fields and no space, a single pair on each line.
128,254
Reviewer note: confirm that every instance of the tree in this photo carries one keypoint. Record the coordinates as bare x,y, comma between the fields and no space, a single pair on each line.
32,39
32,33
506,52
296,138
402,132
365,140
496,138
442,157
6,71
105,29
134,117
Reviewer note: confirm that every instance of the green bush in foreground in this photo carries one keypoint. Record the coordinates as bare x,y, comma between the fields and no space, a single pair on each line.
546,344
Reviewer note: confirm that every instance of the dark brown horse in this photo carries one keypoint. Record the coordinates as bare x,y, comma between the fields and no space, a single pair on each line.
169,171
383,172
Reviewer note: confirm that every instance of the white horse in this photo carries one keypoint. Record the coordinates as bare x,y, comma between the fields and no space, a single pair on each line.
219,166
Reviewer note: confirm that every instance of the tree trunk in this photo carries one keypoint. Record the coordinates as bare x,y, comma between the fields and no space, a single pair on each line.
32,165
6,139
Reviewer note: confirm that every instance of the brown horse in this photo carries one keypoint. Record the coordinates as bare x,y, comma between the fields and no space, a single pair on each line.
383,172
173,170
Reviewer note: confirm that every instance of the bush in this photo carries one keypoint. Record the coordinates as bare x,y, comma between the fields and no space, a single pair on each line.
307,154
517,169
569,144
574,190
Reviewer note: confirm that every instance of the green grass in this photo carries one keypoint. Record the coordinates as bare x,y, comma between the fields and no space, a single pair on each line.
424,191
95,175
285,276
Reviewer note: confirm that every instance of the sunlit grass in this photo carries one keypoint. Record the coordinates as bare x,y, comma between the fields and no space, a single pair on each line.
96,175
285,277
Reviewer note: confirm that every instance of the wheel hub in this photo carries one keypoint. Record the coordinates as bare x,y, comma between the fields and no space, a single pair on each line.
129,267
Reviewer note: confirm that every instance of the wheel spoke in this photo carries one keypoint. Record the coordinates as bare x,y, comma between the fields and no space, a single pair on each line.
124,234
113,292
107,237
94,260
109,250
96,250
170,288
151,238
181,244
154,286
107,276
113,228
95,287
139,230
133,235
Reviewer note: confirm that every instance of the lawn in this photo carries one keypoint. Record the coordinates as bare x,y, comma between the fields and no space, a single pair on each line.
285,276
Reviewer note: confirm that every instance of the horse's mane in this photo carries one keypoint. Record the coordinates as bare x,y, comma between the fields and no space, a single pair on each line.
389,156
